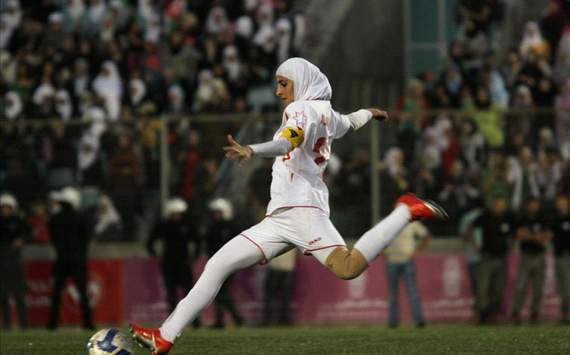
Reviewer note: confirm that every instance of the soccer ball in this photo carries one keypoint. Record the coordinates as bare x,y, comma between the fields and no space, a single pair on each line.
109,342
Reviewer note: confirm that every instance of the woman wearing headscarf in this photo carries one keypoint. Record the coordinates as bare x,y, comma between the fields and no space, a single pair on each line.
298,213
532,41
108,86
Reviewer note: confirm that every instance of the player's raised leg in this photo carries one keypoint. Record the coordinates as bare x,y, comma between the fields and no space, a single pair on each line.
348,264
237,254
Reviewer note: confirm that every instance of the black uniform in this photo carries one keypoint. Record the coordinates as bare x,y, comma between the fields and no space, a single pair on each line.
560,227
176,263
12,279
218,234
70,233
497,232
531,267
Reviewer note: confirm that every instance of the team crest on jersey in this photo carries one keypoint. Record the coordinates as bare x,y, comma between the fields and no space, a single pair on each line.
299,119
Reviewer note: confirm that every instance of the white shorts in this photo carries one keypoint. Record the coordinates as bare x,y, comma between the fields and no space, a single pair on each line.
307,228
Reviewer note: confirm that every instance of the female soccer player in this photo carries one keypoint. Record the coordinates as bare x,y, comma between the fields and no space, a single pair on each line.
298,213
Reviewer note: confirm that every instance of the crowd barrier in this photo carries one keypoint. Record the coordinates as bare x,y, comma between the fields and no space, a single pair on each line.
131,290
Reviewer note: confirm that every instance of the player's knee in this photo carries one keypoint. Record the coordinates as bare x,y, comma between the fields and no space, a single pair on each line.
346,264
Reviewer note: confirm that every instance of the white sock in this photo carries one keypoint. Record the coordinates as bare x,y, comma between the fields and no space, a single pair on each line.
378,237
237,254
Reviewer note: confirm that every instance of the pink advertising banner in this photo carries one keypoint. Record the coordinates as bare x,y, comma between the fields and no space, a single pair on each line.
132,290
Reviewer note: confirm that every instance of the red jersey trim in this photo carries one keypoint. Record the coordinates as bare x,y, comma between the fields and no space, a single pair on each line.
308,251
265,260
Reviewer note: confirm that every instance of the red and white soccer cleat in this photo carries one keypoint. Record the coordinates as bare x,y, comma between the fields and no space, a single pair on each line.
151,339
422,209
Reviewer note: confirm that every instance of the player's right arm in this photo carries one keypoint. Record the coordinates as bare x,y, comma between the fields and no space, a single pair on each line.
358,119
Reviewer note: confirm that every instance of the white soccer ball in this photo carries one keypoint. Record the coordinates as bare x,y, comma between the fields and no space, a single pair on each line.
109,342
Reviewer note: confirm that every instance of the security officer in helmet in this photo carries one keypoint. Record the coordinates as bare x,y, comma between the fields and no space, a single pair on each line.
70,234
176,233
13,233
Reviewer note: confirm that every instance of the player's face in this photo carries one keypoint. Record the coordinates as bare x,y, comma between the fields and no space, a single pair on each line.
285,90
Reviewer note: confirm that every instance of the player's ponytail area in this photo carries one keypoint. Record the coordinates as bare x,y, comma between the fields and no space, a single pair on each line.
365,339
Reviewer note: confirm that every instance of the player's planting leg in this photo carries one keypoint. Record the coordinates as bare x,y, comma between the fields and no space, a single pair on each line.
237,254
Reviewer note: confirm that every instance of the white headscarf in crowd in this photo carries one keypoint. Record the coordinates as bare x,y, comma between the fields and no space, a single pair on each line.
231,62
108,217
284,30
43,92
16,106
137,91
110,88
309,82
531,37
244,27
217,21
176,98
96,12
63,105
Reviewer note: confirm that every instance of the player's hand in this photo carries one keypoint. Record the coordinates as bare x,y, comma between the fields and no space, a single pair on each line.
378,114
236,151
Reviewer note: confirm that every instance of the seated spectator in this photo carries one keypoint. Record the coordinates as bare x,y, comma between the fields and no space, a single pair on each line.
562,62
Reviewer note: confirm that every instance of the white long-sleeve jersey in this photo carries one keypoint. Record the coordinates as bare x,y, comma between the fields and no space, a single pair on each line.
297,177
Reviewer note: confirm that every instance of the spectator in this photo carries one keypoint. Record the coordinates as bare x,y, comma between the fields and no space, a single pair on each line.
562,63
473,147
13,107
471,247
176,233
221,229
496,180
399,262
547,175
497,227
512,68
533,236
562,125
13,234
108,226
124,181
488,120
70,233
552,23
107,85
279,283
61,157
532,41
521,121
395,176
560,227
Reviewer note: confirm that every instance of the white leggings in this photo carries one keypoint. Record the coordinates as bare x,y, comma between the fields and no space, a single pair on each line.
237,254
240,253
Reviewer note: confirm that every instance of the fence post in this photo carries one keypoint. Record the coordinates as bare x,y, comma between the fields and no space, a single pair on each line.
164,168
374,177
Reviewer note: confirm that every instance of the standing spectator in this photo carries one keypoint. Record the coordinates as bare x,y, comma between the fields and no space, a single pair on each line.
62,158
399,262
13,234
125,175
279,278
176,233
497,226
533,235
219,232
70,233
560,227
471,248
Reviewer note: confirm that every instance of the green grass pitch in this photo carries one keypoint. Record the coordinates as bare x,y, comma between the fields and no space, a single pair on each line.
436,339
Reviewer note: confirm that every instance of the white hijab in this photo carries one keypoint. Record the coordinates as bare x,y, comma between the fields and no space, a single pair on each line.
63,105
531,37
309,82
110,88
16,106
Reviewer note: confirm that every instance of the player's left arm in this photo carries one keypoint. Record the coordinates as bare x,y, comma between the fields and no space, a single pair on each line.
358,119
